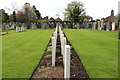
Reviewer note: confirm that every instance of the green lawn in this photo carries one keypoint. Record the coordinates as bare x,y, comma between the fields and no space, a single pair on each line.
22,51
98,51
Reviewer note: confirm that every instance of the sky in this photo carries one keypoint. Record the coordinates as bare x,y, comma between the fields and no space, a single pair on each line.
95,8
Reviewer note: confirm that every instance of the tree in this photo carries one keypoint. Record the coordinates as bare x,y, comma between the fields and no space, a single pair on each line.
13,17
21,16
74,10
29,12
5,16
38,15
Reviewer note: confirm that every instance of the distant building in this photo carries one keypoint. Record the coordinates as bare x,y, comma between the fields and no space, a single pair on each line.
111,18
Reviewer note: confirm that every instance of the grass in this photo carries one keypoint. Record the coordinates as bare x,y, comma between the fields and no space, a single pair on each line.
22,51
98,51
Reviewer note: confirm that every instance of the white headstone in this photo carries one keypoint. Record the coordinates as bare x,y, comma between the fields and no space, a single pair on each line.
53,51
94,25
16,29
67,62
87,25
23,28
64,43
62,36
113,26
101,24
107,26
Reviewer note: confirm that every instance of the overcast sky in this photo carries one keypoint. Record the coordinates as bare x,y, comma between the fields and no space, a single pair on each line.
95,8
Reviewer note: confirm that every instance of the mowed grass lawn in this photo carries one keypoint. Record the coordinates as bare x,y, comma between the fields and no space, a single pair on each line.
98,51
22,51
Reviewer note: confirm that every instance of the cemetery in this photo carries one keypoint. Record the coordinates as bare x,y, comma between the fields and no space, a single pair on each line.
40,64
40,48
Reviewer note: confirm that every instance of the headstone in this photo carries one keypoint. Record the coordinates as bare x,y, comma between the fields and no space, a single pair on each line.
13,26
101,25
107,26
16,29
87,25
64,43
35,26
78,25
53,51
6,28
67,62
62,36
94,25
113,26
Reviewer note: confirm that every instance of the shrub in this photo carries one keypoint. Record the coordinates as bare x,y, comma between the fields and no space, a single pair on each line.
50,44
49,50
40,70
48,64
50,47
60,57
48,56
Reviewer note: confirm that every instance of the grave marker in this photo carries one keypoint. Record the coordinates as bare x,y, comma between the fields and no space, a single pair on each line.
101,24
67,62
113,26
64,43
107,26
62,35
53,51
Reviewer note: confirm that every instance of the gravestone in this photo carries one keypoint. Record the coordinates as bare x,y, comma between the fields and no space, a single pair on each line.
98,25
67,62
6,28
53,51
64,43
13,26
62,35
16,28
102,25
94,25
107,26
113,26
35,26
